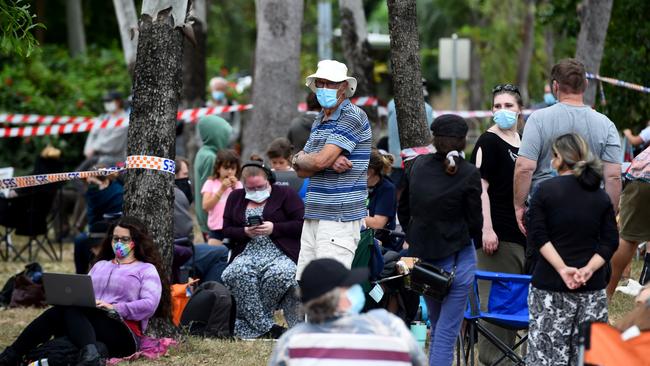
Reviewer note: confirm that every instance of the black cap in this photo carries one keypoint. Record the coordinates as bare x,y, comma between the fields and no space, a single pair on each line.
449,125
325,274
112,95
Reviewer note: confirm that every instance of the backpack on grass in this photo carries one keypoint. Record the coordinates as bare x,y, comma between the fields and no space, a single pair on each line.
210,311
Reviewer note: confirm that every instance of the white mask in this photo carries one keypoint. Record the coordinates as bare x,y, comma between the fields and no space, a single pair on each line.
258,196
110,107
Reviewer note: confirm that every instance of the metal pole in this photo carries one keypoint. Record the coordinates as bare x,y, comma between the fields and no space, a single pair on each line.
454,72
324,30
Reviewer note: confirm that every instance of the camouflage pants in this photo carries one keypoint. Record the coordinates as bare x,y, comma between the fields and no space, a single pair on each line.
555,320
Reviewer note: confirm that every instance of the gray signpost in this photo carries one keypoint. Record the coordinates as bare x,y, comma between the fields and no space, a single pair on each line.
453,62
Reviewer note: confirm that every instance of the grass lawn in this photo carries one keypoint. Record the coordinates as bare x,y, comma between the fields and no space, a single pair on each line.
194,350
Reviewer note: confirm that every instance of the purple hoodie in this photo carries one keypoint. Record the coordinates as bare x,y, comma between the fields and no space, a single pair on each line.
134,289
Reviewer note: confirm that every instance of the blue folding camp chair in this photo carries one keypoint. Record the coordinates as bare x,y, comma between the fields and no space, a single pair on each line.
507,307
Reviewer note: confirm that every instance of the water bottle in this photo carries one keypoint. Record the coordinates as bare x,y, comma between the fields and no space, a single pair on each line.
41,362
419,331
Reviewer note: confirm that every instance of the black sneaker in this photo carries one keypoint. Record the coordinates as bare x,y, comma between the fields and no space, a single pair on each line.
89,356
275,332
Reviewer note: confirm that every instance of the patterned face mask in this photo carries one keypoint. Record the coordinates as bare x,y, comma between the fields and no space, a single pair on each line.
122,250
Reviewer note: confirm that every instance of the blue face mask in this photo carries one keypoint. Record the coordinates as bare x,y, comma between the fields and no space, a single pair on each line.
505,119
218,95
326,97
357,299
549,99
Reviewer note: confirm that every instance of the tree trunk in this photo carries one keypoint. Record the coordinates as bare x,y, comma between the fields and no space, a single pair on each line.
75,22
594,20
354,41
526,50
407,78
194,77
128,23
475,82
277,73
549,48
149,194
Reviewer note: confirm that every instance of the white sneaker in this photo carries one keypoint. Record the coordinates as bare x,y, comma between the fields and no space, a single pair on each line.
632,288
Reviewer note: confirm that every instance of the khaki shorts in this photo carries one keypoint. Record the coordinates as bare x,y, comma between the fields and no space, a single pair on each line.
634,217
328,239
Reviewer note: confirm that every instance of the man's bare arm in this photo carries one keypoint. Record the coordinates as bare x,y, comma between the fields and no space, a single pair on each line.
612,180
524,169
314,162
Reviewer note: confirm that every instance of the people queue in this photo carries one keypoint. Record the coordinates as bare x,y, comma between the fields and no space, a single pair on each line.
536,196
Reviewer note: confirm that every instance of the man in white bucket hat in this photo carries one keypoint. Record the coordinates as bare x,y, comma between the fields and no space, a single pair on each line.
336,160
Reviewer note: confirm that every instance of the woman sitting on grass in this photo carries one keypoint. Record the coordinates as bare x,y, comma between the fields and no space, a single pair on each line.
128,289
263,222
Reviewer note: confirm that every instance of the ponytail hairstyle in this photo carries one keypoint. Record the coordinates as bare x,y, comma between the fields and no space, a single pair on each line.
576,156
380,163
451,147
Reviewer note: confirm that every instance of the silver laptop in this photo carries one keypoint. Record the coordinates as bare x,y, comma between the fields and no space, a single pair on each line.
68,289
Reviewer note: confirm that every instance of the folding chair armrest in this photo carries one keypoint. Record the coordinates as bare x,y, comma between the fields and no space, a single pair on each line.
498,276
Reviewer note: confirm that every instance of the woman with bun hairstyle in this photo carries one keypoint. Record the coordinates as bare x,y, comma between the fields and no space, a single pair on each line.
382,197
572,226
440,211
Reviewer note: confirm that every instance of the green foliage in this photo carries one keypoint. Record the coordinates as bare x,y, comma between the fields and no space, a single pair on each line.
231,36
52,83
16,26
627,49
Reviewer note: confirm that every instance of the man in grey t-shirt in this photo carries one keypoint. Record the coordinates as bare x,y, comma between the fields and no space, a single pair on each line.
570,115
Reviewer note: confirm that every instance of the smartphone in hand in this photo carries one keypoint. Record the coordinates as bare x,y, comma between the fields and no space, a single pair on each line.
255,220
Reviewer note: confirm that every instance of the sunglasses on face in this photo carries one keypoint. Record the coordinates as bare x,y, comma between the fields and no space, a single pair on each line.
506,87
123,239
327,84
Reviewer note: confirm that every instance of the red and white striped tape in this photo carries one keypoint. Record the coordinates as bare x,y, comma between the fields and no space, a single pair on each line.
187,114
62,129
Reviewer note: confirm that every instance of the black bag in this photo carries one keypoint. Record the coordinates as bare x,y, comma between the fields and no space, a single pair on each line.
644,278
60,352
432,281
24,288
210,311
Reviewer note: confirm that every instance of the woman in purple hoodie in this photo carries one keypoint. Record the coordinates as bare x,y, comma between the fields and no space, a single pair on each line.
128,289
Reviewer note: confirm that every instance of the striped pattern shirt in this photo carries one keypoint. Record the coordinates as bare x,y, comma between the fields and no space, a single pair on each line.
374,338
340,197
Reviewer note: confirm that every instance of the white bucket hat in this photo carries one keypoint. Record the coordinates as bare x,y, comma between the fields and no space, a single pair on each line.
333,71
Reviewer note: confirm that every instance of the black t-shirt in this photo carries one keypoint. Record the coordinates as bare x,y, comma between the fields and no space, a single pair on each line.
579,223
498,169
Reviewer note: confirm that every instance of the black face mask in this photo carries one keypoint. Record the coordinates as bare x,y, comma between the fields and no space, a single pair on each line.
184,185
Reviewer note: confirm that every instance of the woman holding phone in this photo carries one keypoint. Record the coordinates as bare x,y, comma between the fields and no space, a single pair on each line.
263,222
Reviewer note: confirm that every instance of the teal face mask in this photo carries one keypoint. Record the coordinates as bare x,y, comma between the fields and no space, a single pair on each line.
505,119
326,97
357,299
549,99
218,95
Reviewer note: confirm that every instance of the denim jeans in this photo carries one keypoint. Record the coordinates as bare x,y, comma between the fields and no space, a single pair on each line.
446,317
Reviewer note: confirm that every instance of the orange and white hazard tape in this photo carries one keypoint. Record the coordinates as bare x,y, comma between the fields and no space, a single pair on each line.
132,162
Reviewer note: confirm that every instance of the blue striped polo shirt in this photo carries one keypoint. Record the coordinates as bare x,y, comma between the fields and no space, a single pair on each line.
330,195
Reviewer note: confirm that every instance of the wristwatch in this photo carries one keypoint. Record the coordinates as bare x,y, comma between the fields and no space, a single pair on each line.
293,160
